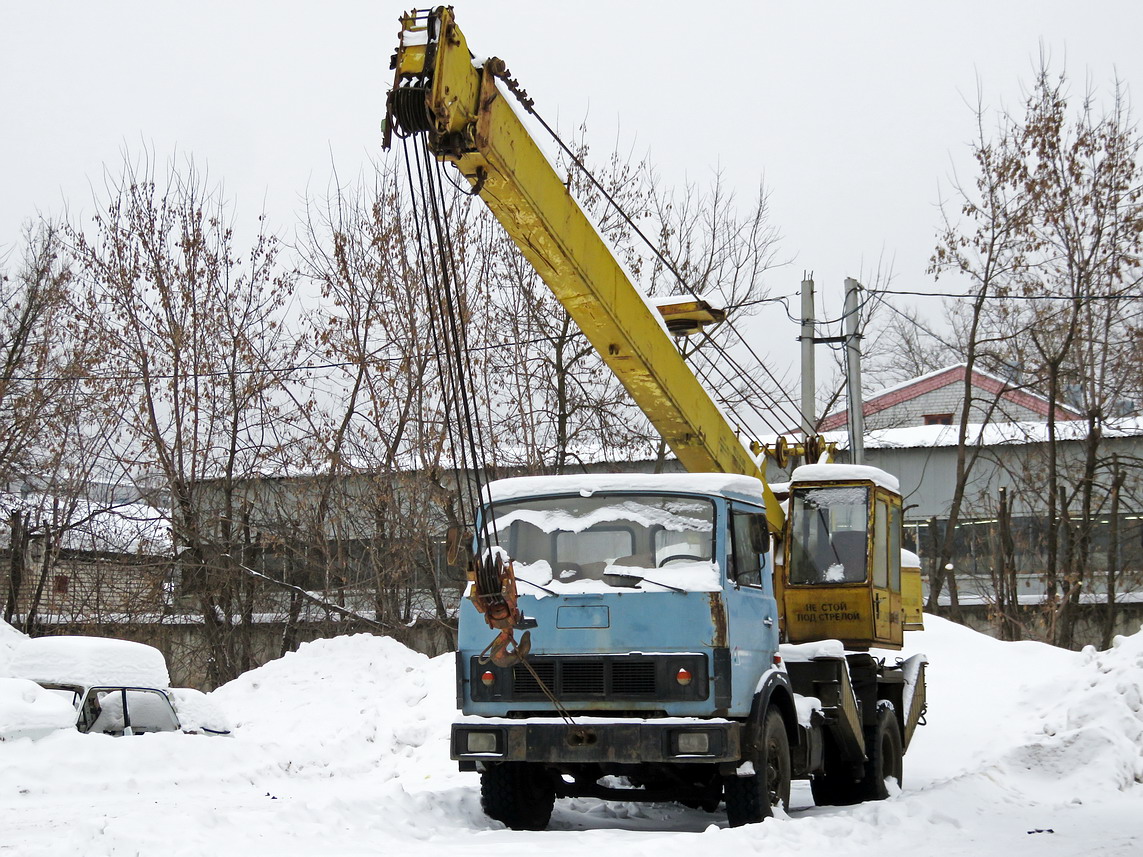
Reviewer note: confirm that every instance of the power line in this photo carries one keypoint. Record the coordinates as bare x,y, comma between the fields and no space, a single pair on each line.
288,369
1113,296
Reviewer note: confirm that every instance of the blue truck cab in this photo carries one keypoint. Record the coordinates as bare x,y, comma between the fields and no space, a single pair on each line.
653,656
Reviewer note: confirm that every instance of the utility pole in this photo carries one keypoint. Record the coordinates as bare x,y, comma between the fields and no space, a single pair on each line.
854,403
809,406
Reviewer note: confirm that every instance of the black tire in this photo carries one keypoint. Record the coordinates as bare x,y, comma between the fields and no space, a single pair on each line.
833,787
752,799
518,794
884,757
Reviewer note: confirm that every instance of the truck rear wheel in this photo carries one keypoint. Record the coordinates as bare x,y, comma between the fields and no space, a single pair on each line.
518,794
753,798
831,787
884,756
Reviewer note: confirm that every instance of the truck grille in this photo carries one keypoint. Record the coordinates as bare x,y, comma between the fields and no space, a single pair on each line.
634,677
527,685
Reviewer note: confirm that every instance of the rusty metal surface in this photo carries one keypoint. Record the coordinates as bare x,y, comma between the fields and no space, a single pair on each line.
717,620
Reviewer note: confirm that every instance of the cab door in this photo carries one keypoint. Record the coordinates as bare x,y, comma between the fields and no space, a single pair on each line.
887,616
751,609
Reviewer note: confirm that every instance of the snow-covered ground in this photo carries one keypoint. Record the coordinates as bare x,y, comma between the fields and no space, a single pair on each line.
342,749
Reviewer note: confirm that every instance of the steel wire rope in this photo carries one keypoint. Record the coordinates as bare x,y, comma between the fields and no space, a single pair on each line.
450,393
442,306
469,350
705,376
530,107
713,366
787,412
775,403
462,354
456,347
487,569
743,424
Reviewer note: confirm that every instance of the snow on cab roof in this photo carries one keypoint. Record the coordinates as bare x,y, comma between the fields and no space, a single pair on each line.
845,472
88,662
909,559
726,484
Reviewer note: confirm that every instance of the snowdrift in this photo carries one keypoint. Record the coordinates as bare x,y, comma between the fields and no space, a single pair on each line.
342,748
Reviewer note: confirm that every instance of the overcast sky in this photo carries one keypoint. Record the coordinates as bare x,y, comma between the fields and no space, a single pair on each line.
852,113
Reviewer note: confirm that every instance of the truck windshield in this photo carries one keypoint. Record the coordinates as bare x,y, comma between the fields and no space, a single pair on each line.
828,531
640,542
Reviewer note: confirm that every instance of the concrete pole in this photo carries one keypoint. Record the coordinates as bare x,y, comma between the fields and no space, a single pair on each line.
853,372
809,405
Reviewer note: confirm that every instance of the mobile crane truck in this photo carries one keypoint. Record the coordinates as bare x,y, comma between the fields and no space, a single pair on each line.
691,638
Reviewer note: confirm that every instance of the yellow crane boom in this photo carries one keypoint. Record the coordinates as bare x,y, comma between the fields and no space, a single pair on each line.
471,123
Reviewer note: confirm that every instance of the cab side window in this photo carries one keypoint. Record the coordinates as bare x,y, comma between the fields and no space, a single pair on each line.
749,542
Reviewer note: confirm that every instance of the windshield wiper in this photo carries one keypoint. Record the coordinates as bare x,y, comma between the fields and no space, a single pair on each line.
541,588
615,578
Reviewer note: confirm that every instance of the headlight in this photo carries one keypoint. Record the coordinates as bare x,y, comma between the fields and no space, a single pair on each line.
481,742
692,743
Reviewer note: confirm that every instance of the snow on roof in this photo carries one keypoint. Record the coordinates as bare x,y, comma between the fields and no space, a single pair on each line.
88,661
997,434
986,434
845,472
91,526
727,484
909,559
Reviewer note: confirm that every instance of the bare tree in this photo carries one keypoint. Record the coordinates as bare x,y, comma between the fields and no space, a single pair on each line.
48,450
382,422
193,350
1051,241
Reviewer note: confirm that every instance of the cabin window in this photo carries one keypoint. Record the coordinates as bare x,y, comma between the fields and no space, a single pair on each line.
593,544
880,546
829,535
895,548
642,542
747,565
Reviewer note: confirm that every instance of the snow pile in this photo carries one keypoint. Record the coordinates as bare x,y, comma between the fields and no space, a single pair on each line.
356,700
361,706
9,639
8,634
342,748
1093,733
27,710
198,712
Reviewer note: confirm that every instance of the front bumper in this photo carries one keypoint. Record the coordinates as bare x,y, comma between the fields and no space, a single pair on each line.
595,740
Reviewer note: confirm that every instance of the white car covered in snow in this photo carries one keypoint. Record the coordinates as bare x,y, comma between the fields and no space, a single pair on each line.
110,687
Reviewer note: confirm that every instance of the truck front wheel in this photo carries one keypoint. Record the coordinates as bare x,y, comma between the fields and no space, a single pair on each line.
518,794
753,798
